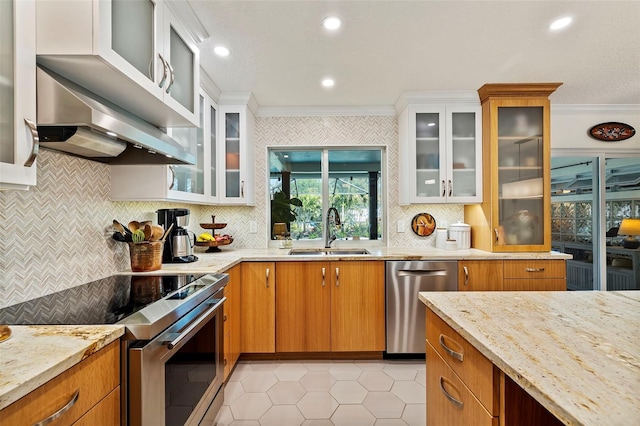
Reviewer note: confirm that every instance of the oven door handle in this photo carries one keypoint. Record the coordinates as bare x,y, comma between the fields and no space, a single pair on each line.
193,325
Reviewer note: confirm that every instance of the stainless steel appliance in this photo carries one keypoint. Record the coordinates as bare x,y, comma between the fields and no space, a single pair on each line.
178,247
405,314
172,351
77,121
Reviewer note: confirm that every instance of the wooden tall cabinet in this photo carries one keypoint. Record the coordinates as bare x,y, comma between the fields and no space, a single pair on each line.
515,214
330,306
258,307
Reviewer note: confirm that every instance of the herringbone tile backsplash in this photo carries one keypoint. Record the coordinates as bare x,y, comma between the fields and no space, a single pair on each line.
57,235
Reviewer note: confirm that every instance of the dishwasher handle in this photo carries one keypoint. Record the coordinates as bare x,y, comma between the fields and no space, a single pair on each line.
422,273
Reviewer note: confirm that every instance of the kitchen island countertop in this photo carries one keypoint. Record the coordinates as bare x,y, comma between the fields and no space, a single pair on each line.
33,355
576,353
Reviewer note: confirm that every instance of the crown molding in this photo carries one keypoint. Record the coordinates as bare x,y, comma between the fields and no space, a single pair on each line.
326,111
209,85
239,98
190,21
431,97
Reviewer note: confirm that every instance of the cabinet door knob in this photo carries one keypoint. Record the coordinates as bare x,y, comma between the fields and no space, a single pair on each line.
450,188
337,277
36,143
466,275
173,177
497,234
323,271
242,189
60,412
267,277
444,188
165,71
172,77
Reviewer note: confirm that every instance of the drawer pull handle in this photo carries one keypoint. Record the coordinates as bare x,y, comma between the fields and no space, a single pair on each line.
171,79
534,269
450,188
267,280
466,275
165,71
459,404
495,230
337,277
323,272
60,412
457,355
444,188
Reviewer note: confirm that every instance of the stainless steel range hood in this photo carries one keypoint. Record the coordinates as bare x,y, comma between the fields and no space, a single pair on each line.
76,121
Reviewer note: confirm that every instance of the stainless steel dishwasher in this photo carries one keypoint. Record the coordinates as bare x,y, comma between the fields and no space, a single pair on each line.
405,313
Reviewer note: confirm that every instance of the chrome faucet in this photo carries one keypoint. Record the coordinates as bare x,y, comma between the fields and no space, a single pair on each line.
336,222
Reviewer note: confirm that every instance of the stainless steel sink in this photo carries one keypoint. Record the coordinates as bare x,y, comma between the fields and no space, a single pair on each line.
330,251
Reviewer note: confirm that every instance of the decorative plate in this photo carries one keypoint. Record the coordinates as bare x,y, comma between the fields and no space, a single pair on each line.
612,132
423,224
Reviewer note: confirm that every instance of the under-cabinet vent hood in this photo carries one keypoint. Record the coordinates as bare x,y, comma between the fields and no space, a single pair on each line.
76,121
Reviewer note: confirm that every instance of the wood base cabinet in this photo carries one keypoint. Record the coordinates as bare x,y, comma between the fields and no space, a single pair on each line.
330,306
232,320
96,380
466,388
258,311
480,275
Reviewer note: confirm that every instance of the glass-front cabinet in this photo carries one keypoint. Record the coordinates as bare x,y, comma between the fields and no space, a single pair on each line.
236,162
18,134
188,183
515,214
440,154
132,53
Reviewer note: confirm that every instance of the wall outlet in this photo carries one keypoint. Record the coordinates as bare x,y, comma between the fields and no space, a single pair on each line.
401,226
253,227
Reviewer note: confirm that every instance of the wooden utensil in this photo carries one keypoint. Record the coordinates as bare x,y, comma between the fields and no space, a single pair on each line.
156,233
134,225
164,237
147,232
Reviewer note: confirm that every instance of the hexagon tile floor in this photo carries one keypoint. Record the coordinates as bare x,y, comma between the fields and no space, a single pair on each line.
324,393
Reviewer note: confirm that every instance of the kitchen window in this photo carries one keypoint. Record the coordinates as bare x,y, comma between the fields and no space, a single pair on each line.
304,184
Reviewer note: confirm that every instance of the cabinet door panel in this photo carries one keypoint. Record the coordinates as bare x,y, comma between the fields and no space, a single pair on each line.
480,275
303,296
548,284
357,306
258,307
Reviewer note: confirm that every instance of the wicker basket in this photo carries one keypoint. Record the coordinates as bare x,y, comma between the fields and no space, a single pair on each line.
146,256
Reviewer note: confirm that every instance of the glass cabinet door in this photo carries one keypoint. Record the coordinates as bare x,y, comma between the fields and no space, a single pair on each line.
464,174
521,201
429,133
133,34
190,179
213,144
233,184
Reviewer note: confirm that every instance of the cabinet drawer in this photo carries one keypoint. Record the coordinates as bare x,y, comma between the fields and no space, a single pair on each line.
549,284
534,269
105,413
476,371
449,401
93,378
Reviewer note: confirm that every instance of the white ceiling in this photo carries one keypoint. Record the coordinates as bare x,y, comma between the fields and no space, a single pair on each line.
280,52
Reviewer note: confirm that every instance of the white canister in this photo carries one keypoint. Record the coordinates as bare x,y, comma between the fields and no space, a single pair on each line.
441,237
461,232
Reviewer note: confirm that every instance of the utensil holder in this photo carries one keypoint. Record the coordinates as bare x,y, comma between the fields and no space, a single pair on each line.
146,256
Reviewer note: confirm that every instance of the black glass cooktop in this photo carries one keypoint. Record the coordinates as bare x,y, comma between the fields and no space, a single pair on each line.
105,301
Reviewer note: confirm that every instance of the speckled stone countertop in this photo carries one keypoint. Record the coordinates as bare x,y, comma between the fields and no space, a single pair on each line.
33,355
228,257
577,353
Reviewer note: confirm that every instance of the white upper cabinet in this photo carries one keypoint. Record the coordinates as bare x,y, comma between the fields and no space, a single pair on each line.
440,154
18,135
136,54
236,162
192,184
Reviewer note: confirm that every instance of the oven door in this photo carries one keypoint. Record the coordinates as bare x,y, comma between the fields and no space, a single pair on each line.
175,378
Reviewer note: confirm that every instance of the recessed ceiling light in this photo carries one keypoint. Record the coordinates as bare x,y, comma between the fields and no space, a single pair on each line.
221,51
328,82
560,23
331,22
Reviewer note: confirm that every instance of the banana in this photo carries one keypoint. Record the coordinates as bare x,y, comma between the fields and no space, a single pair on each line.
205,237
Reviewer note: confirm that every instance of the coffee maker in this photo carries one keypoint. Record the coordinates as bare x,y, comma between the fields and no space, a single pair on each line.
178,247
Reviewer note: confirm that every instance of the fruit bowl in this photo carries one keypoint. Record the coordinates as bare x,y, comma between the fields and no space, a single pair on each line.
213,225
213,245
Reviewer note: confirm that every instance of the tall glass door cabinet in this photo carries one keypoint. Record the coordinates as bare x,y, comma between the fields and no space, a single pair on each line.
515,215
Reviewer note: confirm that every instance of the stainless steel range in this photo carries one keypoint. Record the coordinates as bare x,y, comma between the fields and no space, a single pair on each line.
172,350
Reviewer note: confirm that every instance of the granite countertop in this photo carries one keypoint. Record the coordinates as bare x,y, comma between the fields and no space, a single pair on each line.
577,353
228,257
33,355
